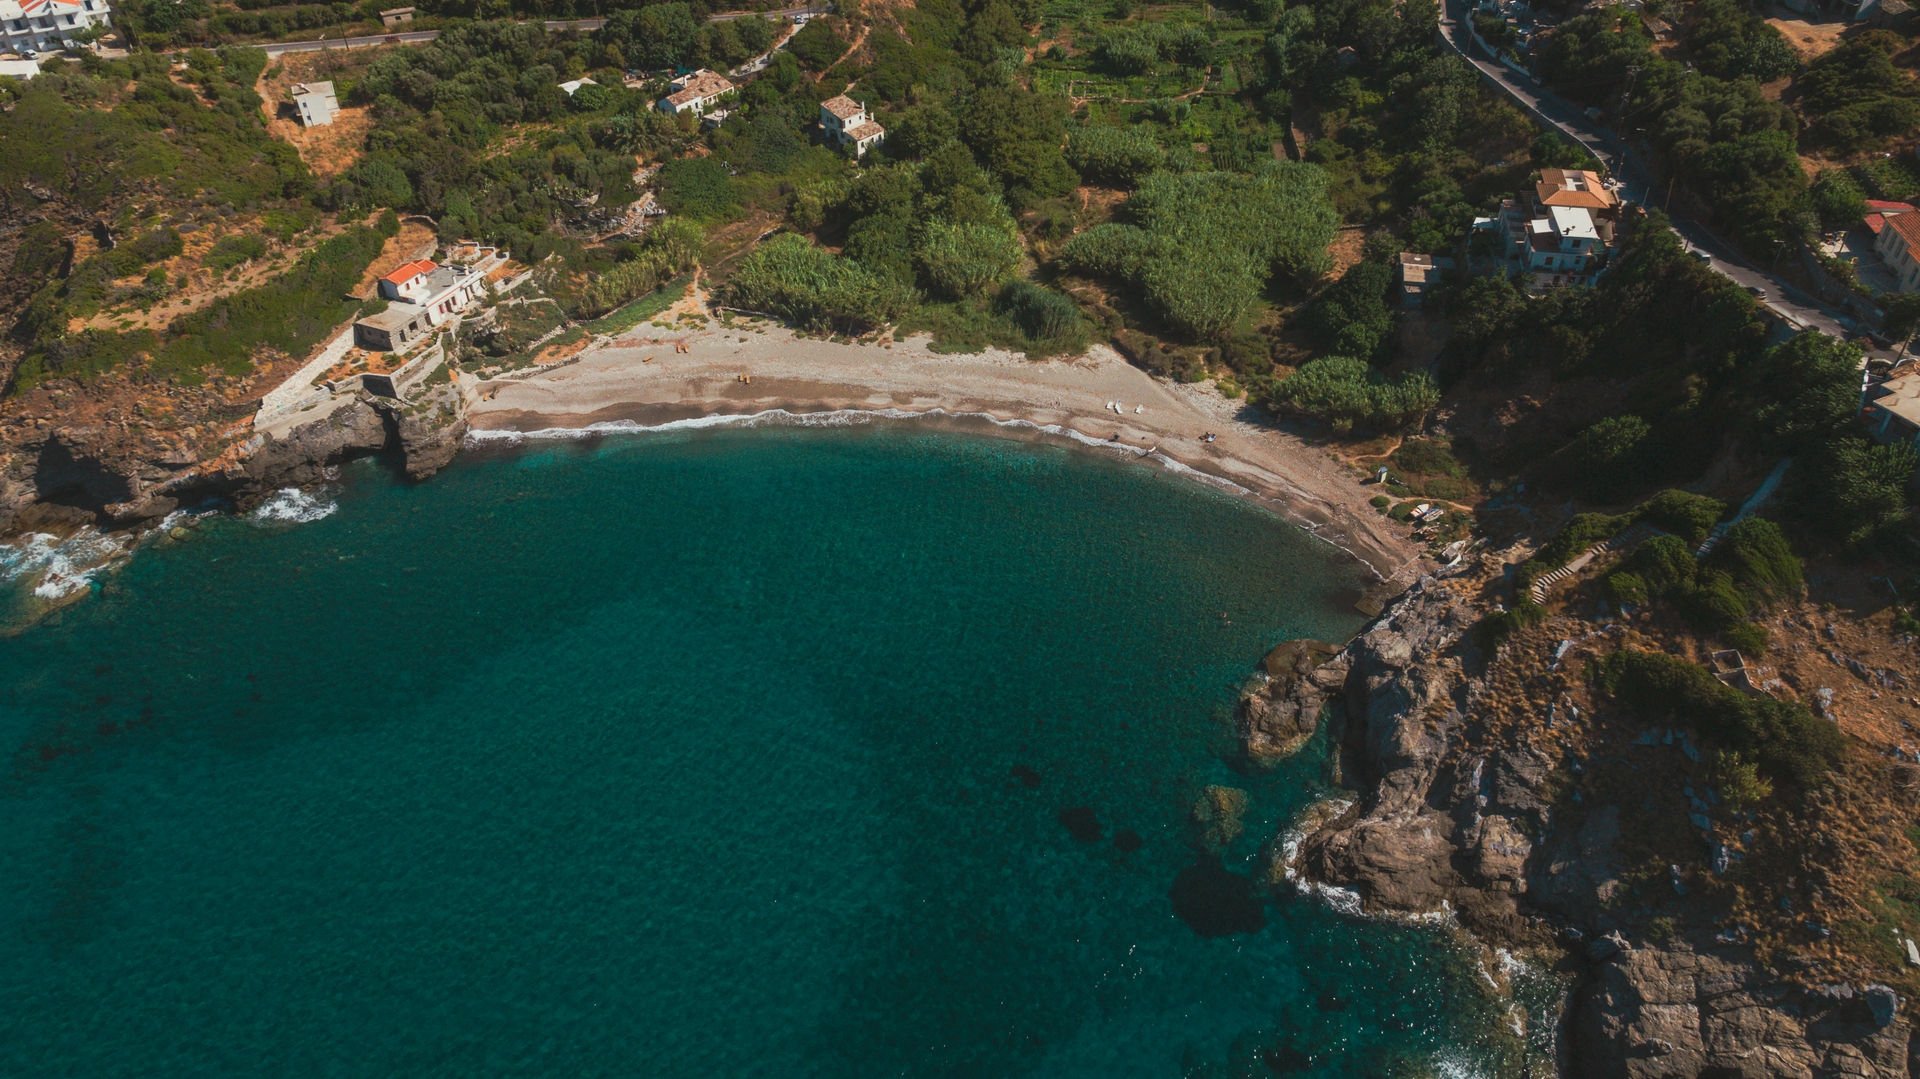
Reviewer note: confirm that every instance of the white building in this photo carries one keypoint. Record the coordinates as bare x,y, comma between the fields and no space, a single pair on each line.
1561,232
48,25
696,93
315,103
845,123
421,295
574,84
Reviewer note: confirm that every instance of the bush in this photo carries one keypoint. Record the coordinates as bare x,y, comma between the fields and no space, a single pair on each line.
230,251
1785,740
1116,156
791,278
1582,532
698,187
1041,314
965,260
1686,515
817,45
1758,555
1347,393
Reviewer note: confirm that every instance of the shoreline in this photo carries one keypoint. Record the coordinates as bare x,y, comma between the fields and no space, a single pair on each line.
639,385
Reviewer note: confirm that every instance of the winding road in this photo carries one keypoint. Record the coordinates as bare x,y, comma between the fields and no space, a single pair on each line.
1792,304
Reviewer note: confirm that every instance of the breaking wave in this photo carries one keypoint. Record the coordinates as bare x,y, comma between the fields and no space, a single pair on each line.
293,506
56,568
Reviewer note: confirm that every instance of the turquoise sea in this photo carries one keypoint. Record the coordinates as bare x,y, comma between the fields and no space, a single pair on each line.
860,752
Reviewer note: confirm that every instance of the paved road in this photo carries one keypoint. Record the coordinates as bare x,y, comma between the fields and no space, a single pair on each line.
416,37
1626,163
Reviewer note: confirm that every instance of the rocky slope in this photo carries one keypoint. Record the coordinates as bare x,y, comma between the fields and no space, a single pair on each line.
1470,770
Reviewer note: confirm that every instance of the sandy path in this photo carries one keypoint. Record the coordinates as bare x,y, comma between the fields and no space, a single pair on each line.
637,382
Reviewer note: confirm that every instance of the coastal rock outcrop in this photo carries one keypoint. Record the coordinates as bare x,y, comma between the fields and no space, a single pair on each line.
1675,1011
1396,846
1456,812
1277,718
65,477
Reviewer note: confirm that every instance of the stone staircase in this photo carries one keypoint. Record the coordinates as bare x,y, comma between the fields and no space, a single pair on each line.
1625,540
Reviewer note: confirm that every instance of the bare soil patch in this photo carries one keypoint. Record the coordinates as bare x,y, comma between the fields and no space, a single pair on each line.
415,240
330,149
1810,40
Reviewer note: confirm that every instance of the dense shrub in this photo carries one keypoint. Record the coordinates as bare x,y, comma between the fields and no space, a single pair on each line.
698,187
230,251
1683,513
1347,394
1785,740
791,278
961,260
1201,246
1117,156
1042,314
1351,317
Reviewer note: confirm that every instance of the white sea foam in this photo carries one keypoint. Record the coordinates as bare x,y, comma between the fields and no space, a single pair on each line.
291,505
56,568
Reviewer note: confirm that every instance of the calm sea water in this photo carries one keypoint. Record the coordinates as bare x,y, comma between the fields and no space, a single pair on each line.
789,753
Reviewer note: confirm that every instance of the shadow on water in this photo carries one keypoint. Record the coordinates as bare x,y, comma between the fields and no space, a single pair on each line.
1214,901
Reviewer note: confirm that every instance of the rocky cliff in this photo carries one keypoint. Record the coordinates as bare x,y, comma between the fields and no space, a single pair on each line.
1476,795
66,476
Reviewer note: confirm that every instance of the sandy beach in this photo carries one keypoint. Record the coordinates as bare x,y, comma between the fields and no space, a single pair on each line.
639,382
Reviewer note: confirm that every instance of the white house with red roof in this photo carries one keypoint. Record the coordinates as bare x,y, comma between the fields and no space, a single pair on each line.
420,295
845,123
48,25
696,92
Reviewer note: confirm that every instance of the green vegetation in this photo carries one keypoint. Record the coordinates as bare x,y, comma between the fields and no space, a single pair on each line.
1347,394
1201,246
1718,132
1752,568
230,251
1856,99
800,283
1787,743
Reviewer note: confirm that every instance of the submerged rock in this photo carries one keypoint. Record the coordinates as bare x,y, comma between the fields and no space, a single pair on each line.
1214,901
1082,824
1217,816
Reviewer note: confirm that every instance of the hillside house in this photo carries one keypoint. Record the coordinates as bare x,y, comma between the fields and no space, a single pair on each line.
1893,409
315,103
396,16
48,25
696,93
572,85
845,123
420,295
1898,245
1562,231
1418,275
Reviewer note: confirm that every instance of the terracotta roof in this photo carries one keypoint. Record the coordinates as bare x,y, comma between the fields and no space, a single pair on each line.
37,8
865,131
698,86
1884,206
1568,187
407,271
1908,226
843,107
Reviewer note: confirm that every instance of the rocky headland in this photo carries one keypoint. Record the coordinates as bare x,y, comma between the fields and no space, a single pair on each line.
1493,788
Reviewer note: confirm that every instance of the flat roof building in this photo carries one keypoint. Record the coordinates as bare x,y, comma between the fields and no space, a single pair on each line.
315,103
